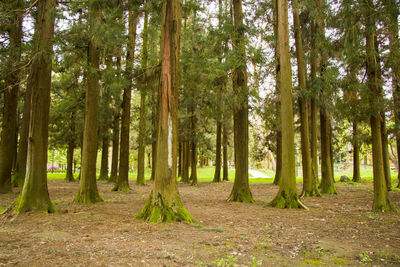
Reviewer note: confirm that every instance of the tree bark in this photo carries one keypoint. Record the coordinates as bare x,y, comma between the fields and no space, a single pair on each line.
356,155
88,192
225,174
164,203
381,196
193,174
122,183
309,184
385,152
394,62
185,169
12,79
35,195
140,180
104,157
241,189
278,168
327,185
115,149
70,151
287,195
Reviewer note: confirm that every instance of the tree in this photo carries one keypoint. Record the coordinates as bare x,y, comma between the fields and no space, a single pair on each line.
88,192
241,190
122,183
309,183
287,195
34,195
12,79
140,180
381,197
164,203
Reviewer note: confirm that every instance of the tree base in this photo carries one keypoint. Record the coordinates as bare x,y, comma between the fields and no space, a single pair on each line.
329,189
194,183
141,182
123,187
242,195
87,197
157,211
356,180
103,178
388,207
22,205
286,201
313,193
69,178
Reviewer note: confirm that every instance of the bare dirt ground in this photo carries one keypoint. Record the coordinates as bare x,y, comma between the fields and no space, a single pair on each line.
338,230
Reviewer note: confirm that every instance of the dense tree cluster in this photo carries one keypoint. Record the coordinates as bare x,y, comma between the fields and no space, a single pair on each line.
187,82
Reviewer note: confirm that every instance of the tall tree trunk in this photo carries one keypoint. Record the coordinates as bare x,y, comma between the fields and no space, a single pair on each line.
327,185
193,174
9,122
394,62
278,168
225,174
385,152
356,155
381,196
164,203
104,157
241,189
180,158
309,184
122,183
140,180
287,195
115,149
88,192
34,195
18,177
217,174
70,151
185,169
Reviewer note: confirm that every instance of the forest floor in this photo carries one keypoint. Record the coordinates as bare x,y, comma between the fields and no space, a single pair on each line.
337,230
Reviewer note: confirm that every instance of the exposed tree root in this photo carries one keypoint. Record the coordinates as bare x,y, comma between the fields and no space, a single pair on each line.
87,197
283,200
158,211
241,195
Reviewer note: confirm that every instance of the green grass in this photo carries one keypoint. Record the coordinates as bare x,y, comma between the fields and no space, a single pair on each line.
206,174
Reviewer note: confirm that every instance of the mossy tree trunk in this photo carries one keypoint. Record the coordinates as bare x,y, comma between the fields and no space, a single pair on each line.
287,196
310,187
140,180
70,151
122,183
12,79
88,192
381,196
241,189
164,203
35,195
115,148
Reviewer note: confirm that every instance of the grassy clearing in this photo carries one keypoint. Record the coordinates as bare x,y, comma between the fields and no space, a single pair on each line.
206,174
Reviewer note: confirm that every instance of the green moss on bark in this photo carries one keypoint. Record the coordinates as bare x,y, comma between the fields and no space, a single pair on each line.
328,189
242,194
158,211
283,200
87,196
